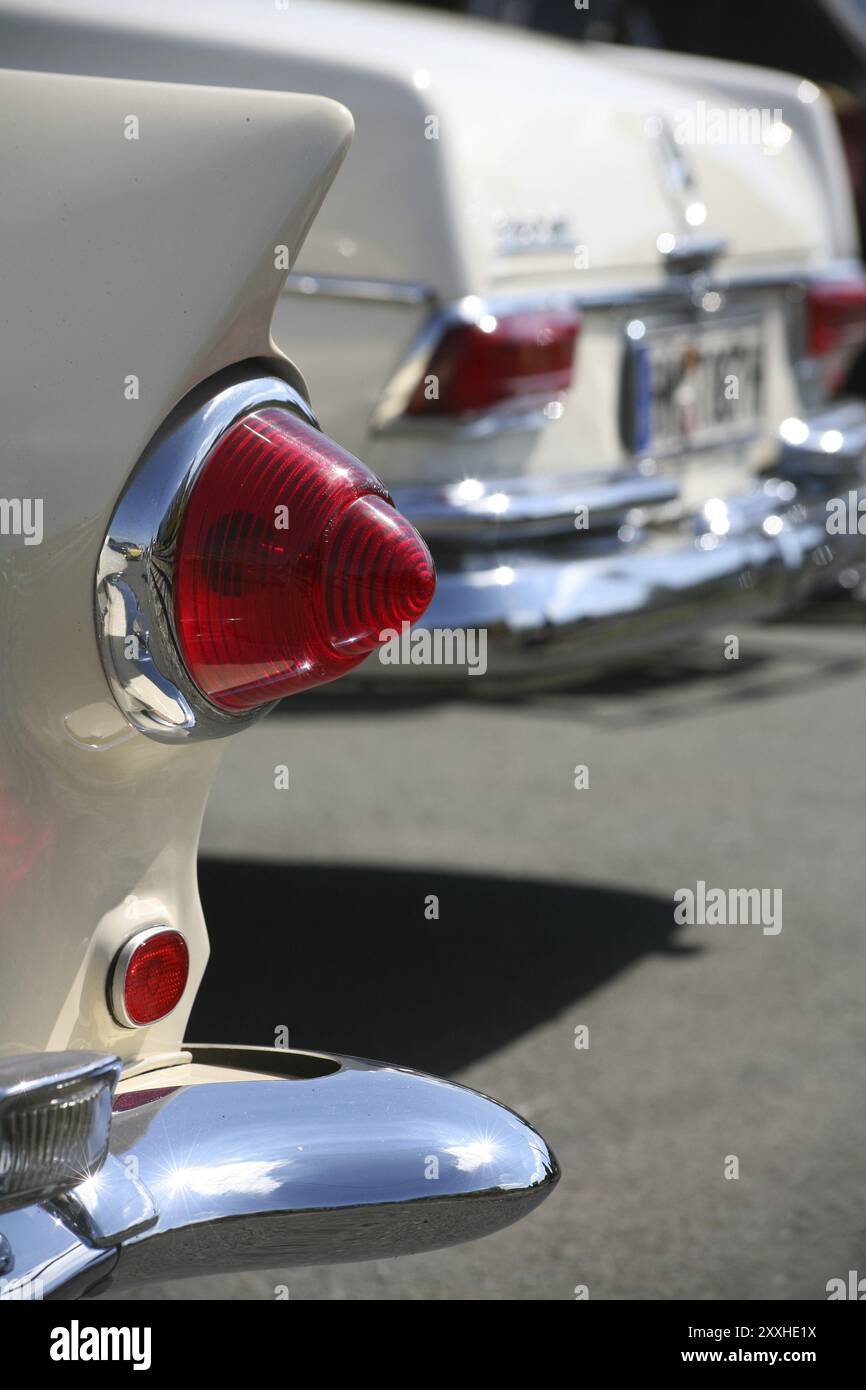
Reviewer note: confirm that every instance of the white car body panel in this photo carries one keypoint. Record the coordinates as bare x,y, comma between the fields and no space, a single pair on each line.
152,257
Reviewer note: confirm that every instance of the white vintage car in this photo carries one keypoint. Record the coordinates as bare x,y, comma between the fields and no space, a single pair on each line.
588,311
587,315
180,546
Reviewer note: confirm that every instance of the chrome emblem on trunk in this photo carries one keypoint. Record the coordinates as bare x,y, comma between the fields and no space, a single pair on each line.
534,233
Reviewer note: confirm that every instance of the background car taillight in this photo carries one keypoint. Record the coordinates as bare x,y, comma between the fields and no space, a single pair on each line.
149,977
836,325
291,563
505,360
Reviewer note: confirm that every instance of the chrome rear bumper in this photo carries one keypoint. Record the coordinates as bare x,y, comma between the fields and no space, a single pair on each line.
270,1158
553,601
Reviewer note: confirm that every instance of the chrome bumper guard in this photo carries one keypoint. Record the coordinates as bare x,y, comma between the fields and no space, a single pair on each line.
553,601
294,1158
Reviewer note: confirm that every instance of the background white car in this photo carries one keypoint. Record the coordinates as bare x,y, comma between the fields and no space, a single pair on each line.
587,310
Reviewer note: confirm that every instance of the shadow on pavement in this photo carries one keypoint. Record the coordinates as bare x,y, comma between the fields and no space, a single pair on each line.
344,958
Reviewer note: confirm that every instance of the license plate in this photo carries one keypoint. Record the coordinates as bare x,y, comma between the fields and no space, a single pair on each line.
693,387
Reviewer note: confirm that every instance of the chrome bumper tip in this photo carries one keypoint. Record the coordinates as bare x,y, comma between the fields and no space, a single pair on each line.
292,1159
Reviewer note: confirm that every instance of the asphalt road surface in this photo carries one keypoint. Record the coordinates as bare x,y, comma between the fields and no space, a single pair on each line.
556,912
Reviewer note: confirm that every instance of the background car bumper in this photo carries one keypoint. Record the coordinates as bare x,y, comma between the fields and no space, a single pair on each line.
641,576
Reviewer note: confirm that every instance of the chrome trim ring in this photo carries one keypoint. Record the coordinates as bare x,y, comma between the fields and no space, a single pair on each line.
135,574
117,979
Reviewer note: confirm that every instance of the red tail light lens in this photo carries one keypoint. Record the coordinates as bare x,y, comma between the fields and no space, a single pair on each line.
836,322
291,562
512,358
149,977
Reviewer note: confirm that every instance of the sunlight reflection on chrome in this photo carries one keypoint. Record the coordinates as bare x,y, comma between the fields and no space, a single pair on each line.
89,1187
474,1154
716,513
205,1180
794,430
470,490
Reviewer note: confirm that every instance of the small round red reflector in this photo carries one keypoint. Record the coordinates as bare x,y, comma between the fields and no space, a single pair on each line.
291,564
154,977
